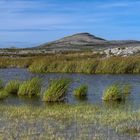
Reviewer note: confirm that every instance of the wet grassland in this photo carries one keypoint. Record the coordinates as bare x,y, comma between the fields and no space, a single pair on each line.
58,118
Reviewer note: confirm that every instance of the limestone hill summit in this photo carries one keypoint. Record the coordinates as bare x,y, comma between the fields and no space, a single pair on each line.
80,39
83,41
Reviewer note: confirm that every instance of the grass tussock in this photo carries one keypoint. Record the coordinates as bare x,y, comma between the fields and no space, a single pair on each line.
3,94
1,84
56,90
30,88
81,91
13,86
116,92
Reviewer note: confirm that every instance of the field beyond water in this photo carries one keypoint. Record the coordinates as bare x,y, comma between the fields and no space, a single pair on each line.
86,62
83,114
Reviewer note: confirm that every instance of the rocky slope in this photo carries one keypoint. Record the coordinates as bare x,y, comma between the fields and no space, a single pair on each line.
76,41
86,41
81,42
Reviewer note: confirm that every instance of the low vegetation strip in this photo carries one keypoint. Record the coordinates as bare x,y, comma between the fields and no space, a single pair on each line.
113,65
75,63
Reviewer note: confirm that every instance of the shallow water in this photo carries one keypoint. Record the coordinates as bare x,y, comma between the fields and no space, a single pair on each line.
61,128
96,86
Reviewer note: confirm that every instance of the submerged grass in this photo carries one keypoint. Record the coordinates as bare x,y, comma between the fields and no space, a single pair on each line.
56,90
81,91
126,89
30,88
13,86
67,121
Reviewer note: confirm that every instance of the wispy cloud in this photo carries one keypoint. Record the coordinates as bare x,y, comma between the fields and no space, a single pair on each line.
54,17
35,14
113,5
118,4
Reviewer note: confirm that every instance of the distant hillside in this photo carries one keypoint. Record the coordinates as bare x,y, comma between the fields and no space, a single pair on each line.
85,41
78,42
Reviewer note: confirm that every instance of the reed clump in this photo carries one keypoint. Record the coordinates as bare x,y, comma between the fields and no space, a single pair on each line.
3,94
81,91
1,84
116,92
56,90
13,86
30,88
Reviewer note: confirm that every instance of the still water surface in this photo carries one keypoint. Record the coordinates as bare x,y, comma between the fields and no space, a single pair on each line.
96,86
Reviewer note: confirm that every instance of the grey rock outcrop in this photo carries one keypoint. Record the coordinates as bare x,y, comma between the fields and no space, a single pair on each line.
127,51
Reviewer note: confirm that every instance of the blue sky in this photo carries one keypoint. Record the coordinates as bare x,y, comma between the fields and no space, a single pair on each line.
38,21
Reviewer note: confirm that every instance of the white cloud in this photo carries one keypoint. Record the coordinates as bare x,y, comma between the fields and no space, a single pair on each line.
13,15
26,16
118,4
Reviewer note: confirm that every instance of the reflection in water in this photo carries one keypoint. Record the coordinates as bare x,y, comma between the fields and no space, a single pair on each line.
96,85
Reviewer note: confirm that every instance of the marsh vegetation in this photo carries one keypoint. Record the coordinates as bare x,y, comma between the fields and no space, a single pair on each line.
81,91
66,121
70,119
56,91
116,92
81,121
86,62
3,94
12,87
30,88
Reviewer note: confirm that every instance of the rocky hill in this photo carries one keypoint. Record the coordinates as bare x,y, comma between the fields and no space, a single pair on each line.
80,42
85,41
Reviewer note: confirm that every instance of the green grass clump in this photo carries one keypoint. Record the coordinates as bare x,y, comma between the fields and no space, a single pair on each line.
115,93
81,91
3,94
56,90
13,86
30,88
1,84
